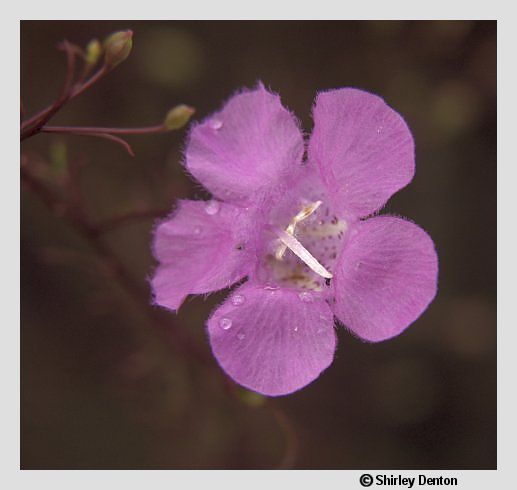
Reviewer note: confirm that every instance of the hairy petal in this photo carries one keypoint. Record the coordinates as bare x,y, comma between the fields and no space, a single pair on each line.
199,251
385,278
272,341
363,149
246,150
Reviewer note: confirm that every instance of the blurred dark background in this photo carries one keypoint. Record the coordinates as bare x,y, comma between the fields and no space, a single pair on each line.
104,387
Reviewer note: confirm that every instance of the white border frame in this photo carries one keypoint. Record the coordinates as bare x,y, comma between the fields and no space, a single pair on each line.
12,477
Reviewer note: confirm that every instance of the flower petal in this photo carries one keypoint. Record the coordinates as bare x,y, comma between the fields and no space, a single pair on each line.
385,278
199,252
363,148
272,341
247,149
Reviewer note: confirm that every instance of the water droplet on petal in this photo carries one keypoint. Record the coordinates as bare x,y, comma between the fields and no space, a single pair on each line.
296,328
272,289
323,317
305,296
379,130
238,299
215,123
212,207
225,323
197,230
241,336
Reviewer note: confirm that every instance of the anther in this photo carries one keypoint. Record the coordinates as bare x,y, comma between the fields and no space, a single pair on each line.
303,214
289,241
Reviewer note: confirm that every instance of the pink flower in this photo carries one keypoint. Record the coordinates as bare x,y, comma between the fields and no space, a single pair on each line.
296,229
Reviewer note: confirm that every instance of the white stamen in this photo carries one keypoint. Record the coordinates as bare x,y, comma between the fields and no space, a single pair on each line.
303,214
306,211
299,250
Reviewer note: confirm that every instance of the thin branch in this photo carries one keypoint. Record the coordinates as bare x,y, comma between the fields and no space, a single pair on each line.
73,173
80,88
44,116
159,128
106,136
71,54
291,438
111,137
177,338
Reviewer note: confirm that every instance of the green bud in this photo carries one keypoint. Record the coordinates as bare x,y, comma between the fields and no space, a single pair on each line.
178,116
93,52
58,157
251,398
117,47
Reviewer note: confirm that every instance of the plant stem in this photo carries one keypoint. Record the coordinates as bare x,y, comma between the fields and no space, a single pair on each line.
159,128
33,125
291,439
180,342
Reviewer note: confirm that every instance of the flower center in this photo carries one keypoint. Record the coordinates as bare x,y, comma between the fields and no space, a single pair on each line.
303,214
307,249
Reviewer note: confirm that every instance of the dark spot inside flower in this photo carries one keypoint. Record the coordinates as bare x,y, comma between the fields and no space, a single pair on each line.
327,281
240,247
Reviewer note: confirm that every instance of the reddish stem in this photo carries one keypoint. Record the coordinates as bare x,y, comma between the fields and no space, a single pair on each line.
291,438
159,128
177,339
79,89
36,122
111,137
44,116
75,217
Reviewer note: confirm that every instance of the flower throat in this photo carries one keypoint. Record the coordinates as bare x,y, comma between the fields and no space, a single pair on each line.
306,250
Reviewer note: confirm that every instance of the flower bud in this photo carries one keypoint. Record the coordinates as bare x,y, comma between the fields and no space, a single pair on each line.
178,116
117,47
93,52
58,157
251,398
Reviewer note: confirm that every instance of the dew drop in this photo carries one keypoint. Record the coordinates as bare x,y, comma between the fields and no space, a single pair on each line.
305,296
379,130
241,336
272,289
238,299
212,207
225,323
197,230
296,328
215,123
